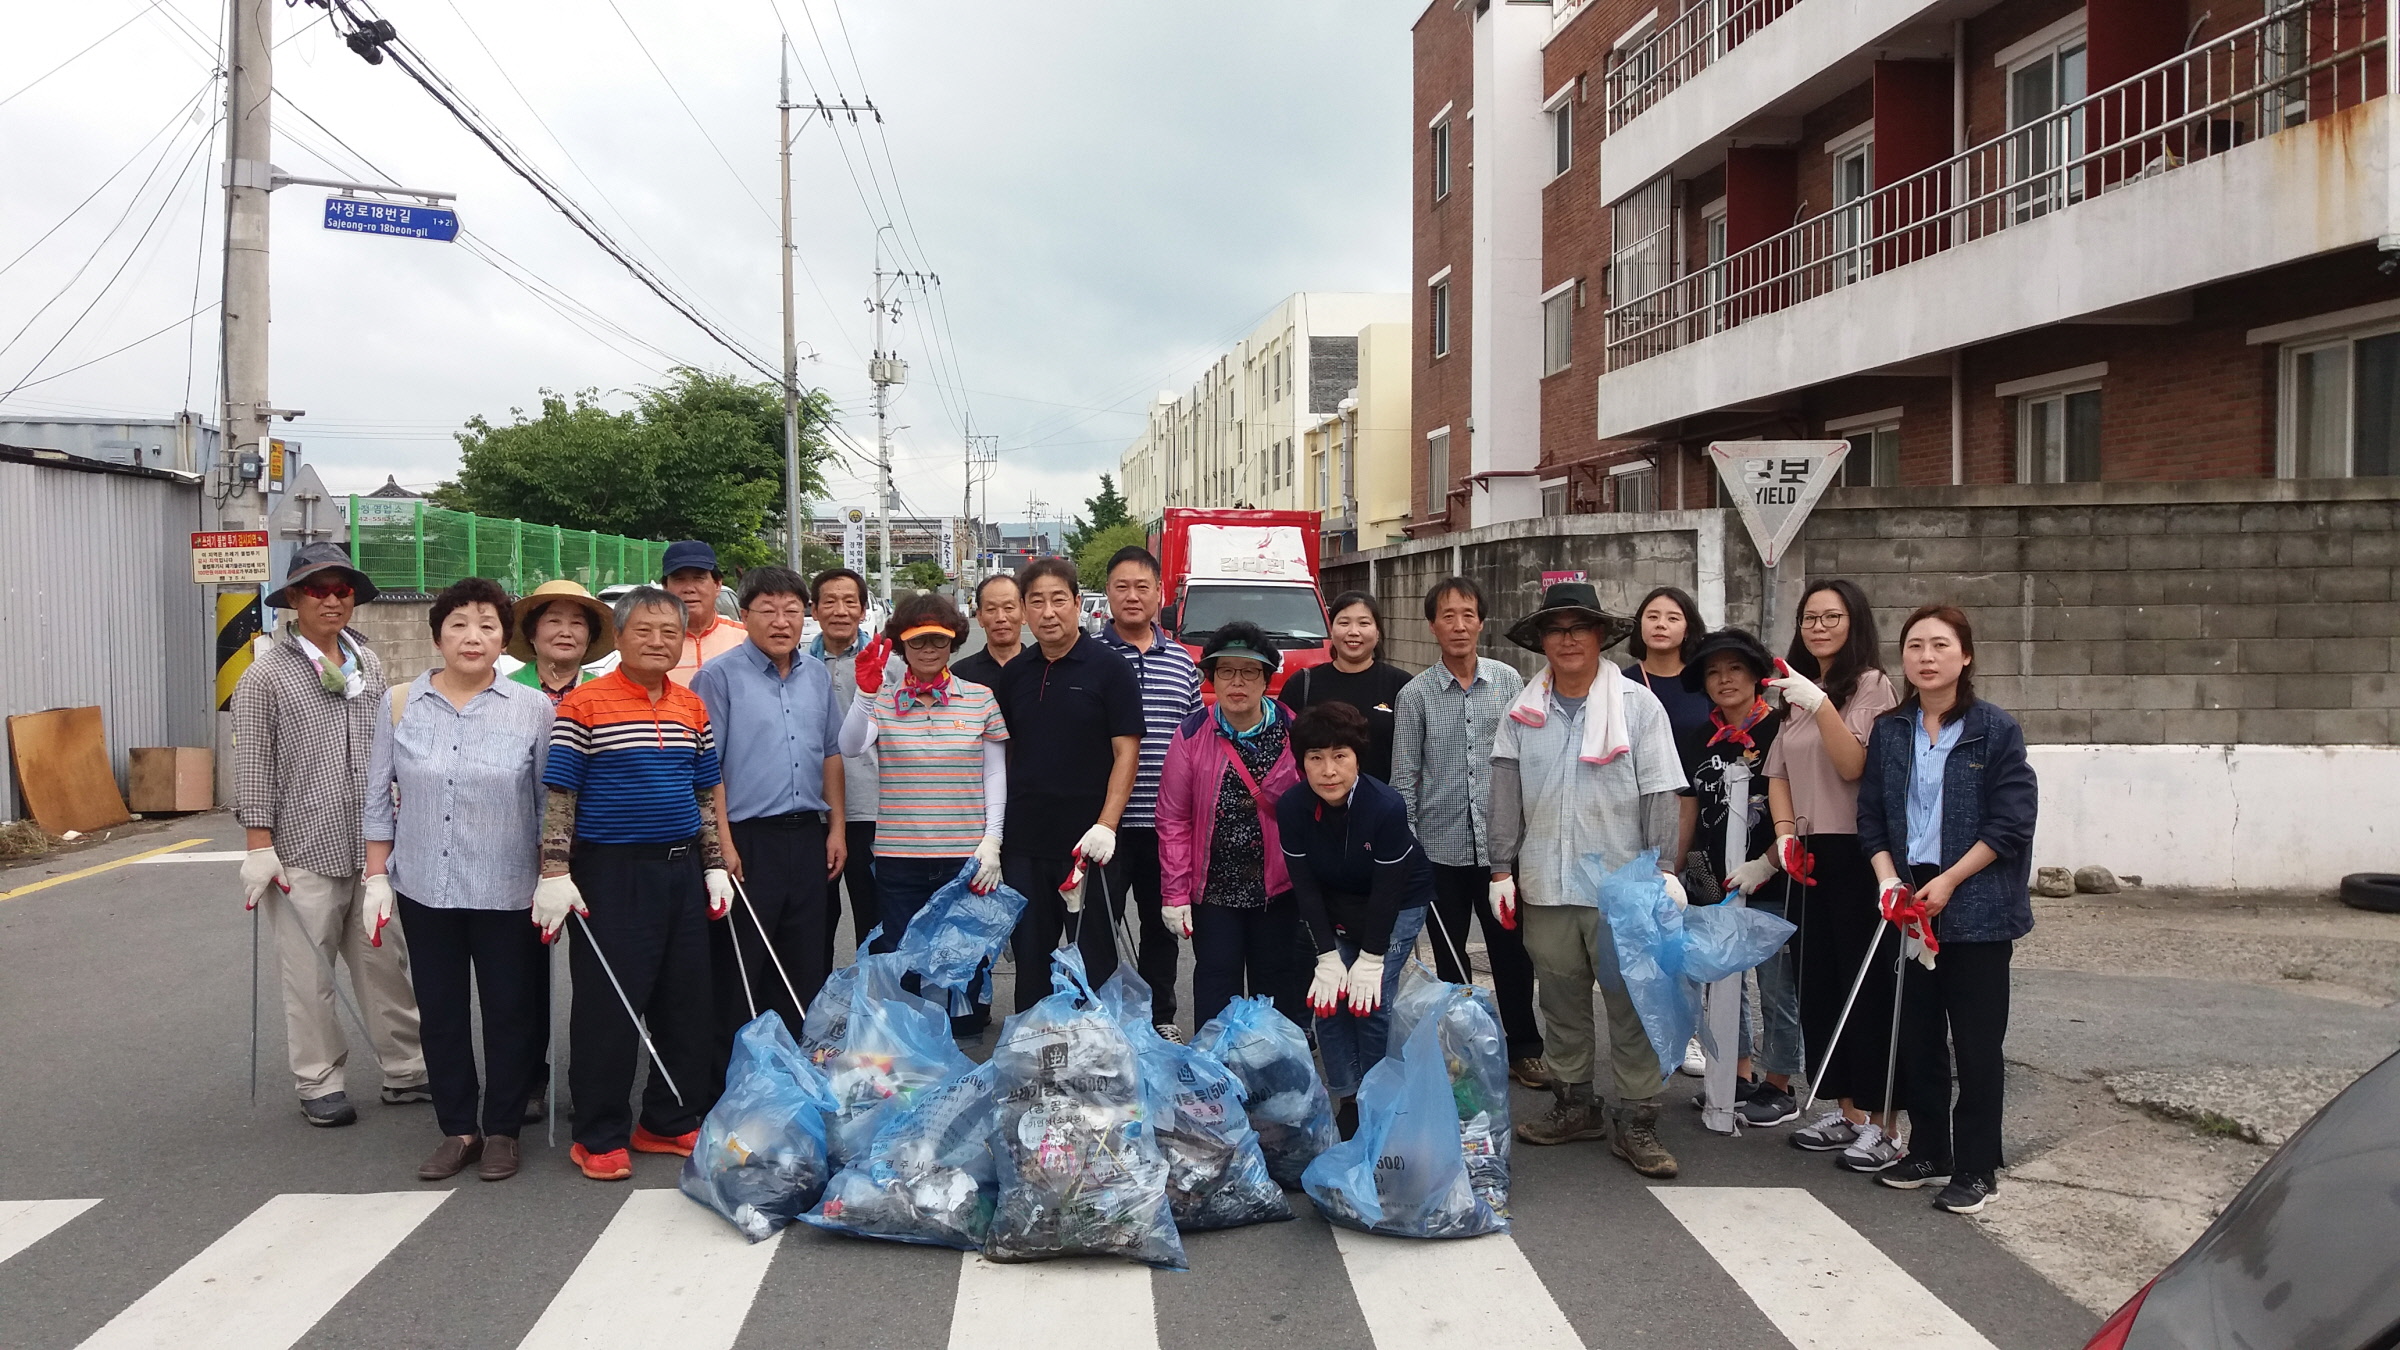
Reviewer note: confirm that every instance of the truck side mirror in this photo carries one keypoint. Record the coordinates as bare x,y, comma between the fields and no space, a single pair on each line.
1167,616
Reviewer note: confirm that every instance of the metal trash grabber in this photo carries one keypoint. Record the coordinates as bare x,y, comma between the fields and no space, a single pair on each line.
1834,1041
254,1005
638,1028
1891,1063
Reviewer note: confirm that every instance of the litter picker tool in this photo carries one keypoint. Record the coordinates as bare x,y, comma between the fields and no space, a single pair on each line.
254,1005
1833,1042
638,1028
1457,953
769,943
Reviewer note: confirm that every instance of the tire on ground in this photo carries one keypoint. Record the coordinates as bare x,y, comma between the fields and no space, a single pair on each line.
2379,891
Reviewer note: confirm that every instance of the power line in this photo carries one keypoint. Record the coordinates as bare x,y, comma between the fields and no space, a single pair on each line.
687,111
183,111
130,21
60,374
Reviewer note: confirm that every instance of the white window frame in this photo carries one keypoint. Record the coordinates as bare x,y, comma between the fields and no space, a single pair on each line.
1851,225
2035,391
1437,485
1438,312
1559,108
1438,133
1558,300
1644,471
1565,499
1869,425
2046,45
2307,338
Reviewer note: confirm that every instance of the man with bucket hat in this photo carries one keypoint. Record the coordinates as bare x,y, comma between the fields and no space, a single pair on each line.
303,724
560,630
1583,763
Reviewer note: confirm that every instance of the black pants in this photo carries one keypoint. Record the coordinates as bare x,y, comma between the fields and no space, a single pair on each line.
649,917
1960,1006
1461,892
858,878
1246,951
1838,918
1159,950
503,950
1046,920
783,873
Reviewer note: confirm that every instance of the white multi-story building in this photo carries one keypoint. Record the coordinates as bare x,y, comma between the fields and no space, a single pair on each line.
1235,438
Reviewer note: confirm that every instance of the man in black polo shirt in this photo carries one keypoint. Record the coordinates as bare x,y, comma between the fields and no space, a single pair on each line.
1074,739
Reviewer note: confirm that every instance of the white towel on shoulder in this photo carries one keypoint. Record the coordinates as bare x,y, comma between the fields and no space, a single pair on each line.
1604,736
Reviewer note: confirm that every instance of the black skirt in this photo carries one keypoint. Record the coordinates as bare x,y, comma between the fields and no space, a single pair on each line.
1838,918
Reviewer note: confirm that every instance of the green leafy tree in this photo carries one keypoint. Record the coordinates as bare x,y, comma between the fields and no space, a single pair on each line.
1107,510
815,558
921,575
1091,561
700,457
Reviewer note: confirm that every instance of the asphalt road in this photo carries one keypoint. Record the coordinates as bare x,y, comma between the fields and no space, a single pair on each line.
124,1081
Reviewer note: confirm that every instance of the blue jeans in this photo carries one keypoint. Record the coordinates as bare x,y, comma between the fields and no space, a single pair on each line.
903,886
1779,995
1352,1045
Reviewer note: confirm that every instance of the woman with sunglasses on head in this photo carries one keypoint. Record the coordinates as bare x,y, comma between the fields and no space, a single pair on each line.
1946,814
1358,675
1833,688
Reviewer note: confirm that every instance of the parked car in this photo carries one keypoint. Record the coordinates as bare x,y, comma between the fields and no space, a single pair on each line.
1095,613
2294,1262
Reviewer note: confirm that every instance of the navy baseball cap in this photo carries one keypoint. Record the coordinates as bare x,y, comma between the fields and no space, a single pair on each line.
685,553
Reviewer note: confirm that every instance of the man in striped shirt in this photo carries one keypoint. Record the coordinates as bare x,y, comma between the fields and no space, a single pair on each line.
629,844
1170,682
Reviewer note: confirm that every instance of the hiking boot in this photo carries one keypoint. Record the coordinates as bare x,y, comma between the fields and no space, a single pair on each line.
1966,1193
1915,1172
451,1158
1533,1071
646,1140
1634,1137
1575,1114
330,1110
1825,1134
1873,1151
1770,1105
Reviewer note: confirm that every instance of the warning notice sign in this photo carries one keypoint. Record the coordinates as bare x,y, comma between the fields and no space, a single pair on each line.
229,557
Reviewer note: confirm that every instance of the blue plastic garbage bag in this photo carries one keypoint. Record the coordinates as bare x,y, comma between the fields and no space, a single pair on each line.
1475,1056
1283,1094
1402,1174
1646,927
887,1045
760,1159
1080,1173
1216,1177
1721,941
958,933
929,1176
827,1018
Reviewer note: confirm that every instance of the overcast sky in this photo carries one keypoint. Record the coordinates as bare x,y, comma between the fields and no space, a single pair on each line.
1109,192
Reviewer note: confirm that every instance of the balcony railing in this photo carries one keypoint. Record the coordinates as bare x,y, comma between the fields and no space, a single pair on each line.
2301,63
1649,70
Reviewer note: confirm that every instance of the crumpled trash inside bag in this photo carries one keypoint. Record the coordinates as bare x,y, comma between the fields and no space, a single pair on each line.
1216,1177
885,1045
1475,1056
760,1159
1722,941
1403,1174
1284,1096
956,936
928,1178
1080,1173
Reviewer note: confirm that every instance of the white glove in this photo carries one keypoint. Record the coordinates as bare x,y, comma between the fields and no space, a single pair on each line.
1503,895
1071,890
720,892
1325,987
1674,887
376,906
1365,990
552,898
1797,689
261,869
1099,844
987,866
1178,919
1751,875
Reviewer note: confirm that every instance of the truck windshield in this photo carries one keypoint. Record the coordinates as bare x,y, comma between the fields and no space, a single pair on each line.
1290,614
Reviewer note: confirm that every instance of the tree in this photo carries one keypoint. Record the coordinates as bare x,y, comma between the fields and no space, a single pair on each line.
922,575
1091,562
700,457
1107,510
815,558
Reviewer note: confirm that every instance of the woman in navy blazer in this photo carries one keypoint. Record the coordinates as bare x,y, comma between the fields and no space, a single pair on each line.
1946,811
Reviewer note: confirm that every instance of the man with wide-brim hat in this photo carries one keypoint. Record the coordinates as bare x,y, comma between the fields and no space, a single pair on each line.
303,723
1584,763
561,629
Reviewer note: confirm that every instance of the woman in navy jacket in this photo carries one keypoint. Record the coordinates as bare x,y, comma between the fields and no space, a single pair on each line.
1946,810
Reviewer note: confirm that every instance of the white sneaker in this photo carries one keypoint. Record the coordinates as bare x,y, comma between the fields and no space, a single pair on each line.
1831,1130
1873,1152
1695,1061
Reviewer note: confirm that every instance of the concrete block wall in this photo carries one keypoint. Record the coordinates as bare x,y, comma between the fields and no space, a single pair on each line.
397,630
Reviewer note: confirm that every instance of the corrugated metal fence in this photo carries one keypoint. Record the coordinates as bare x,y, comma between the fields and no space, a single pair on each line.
97,606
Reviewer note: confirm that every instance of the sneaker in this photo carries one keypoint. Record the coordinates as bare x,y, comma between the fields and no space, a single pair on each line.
1743,1090
408,1096
331,1110
644,1141
1828,1132
1770,1105
614,1165
1872,1152
1965,1194
1532,1071
1913,1173
1172,1034
1695,1060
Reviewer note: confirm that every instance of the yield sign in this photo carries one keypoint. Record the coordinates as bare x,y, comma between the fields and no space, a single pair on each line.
1774,483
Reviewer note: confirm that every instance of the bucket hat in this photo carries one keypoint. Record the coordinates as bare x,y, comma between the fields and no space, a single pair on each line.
1723,641
311,559
1570,597
604,621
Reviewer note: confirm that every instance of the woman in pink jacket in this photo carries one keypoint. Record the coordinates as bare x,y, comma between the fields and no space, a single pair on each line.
1221,863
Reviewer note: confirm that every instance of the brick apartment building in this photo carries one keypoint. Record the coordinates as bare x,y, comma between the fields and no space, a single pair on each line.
2030,241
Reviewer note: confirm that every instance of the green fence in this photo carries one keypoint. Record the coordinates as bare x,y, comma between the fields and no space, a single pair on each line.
409,546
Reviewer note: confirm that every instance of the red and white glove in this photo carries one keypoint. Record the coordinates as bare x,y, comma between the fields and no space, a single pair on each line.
1325,986
872,658
1901,906
1365,989
553,899
1071,890
1178,919
720,892
987,866
1792,855
1673,885
261,868
375,907
1797,689
1503,896
1099,844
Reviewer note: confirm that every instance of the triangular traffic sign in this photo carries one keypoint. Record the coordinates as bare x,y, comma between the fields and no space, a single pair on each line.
1774,484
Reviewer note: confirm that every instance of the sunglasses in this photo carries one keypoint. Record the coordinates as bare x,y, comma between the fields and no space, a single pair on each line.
1569,629
325,590
930,642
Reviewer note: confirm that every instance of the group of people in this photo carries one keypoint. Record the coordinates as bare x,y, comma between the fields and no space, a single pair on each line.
691,819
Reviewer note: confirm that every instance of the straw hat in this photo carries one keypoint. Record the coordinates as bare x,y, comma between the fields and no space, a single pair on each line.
604,623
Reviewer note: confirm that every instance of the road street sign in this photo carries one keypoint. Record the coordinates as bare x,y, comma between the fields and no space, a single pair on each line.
407,222
229,557
1774,484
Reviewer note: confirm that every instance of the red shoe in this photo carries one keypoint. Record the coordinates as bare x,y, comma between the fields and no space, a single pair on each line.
681,1145
614,1165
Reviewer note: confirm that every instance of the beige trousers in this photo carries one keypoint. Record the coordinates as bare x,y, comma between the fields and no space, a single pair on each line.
1567,944
317,921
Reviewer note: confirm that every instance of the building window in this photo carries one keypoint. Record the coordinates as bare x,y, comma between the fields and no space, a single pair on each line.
1554,496
2042,82
1874,458
1437,472
1441,318
1441,159
2341,407
1641,229
1558,328
1853,180
2058,437
1637,486
1562,138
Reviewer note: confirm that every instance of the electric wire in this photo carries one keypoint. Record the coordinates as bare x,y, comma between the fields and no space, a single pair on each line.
697,124
183,112
129,22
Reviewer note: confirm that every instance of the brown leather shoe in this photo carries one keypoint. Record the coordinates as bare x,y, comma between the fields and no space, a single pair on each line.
451,1158
499,1158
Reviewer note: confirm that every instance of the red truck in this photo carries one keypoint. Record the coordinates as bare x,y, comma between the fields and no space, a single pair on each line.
1258,565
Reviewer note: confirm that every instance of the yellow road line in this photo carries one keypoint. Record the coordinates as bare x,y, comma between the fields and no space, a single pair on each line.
48,882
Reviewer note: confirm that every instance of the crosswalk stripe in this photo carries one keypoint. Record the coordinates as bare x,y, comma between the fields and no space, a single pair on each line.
665,1272
1471,1294
270,1277
1089,1301
1820,1281
26,1222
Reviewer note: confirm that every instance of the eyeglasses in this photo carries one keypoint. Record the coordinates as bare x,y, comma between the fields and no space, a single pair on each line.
1831,619
929,642
1569,629
325,590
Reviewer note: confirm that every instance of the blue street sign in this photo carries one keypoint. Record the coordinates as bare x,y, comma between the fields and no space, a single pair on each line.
408,222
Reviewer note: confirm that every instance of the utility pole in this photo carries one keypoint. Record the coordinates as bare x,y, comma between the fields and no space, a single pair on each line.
791,343
982,453
238,478
885,370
